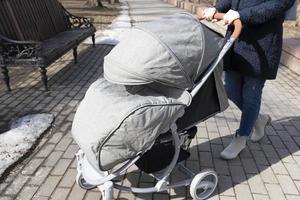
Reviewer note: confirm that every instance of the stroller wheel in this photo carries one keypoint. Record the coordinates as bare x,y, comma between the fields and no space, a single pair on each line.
203,184
83,184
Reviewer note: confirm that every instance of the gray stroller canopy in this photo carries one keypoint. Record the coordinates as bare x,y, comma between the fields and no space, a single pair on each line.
173,51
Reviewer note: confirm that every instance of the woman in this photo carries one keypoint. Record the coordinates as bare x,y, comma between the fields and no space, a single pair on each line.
253,59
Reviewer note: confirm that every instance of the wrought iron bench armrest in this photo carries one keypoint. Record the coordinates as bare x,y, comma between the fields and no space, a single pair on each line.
16,49
78,21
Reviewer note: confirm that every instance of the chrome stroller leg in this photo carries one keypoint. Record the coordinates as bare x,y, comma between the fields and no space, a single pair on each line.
107,190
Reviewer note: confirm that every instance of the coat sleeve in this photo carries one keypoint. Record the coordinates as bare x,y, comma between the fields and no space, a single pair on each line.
265,12
223,6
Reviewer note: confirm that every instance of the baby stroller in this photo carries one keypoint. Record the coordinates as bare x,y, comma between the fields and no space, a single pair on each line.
159,81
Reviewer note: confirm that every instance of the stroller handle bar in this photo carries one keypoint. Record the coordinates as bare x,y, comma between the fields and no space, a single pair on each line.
237,30
236,23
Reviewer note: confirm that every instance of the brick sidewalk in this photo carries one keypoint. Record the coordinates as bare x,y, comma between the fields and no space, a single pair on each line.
269,169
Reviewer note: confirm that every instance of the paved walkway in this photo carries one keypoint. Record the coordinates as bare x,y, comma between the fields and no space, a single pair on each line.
266,170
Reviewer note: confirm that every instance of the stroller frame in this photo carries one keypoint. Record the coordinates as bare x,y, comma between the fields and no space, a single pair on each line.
199,181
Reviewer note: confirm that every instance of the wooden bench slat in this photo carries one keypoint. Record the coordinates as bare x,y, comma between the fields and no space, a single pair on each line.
12,20
58,16
44,19
6,28
24,19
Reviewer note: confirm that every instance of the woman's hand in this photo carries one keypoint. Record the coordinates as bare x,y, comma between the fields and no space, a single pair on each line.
208,13
230,16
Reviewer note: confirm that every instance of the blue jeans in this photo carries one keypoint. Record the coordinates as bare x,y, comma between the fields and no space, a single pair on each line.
245,92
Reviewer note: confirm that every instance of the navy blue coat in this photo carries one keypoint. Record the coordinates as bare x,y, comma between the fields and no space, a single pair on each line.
257,51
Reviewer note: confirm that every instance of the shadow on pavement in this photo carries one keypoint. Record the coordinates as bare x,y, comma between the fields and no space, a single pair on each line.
274,151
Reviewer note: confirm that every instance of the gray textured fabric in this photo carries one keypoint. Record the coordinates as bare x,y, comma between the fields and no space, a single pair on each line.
121,117
114,122
173,50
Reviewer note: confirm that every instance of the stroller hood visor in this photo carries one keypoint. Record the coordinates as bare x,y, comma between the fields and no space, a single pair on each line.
173,50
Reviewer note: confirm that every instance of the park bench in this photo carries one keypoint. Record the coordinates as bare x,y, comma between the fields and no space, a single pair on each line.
37,32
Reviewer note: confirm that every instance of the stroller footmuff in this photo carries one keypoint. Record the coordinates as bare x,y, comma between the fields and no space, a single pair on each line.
137,113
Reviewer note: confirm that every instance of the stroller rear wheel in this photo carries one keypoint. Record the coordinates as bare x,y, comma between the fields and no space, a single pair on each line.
203,184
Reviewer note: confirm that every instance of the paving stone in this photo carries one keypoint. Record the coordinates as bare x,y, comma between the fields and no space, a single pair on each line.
27,193
225,186
293,148
61,167
67,126
6,198
246,153
32,166
76,193
294,170
2,186
63,144
267,174
278,167
297,183
74,163
48,186
227,198
285,156
284,136
287,185
249,165
237,173
40,176
235,162
292,130
256,184
53,158
194,166
297,140
16,185
224,130
214,137
61,194
221,167
269,150
71,151
202,132
205,159
161,196
276,142
194,154
254,146
216,150
146,178
292,197
259,157
275,192
93,196
242,192
45,151
69,178
203,144
260,197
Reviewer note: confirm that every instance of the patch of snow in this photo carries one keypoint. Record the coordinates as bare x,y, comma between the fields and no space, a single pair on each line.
111,36
21,136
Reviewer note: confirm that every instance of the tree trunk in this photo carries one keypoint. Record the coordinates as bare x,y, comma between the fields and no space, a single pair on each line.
94,3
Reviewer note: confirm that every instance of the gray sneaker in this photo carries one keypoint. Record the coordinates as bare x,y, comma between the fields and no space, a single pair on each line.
259,128
237,144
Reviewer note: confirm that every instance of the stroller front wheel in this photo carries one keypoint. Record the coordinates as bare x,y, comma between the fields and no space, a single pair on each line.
82,183
203,184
